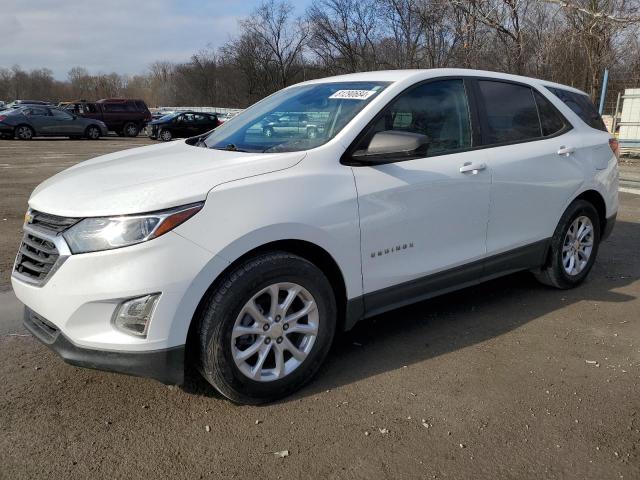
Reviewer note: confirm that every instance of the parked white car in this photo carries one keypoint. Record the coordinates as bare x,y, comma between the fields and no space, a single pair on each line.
249,253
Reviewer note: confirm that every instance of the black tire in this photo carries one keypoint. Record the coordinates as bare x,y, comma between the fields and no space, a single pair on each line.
165,135
217,319
131,130
24,132
553,272
92,132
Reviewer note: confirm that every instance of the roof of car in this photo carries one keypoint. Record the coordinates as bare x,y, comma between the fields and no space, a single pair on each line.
420,74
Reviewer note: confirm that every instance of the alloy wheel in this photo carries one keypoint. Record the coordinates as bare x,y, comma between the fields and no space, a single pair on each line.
577,245
275,332
24,133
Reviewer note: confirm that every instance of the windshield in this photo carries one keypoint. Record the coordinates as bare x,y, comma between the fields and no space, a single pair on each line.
295,119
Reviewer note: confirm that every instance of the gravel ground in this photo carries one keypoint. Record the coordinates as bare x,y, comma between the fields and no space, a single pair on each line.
504,380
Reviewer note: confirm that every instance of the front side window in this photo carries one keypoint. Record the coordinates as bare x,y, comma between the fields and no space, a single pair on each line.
295,119
511,114
436,109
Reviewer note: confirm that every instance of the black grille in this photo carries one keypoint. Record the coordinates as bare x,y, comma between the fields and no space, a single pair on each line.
36,257
51,223
46,331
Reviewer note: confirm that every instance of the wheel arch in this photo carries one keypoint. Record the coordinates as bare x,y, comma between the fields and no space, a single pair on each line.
310,251
86,129
596,199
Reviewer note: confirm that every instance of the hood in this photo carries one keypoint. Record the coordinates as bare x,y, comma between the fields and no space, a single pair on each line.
149,178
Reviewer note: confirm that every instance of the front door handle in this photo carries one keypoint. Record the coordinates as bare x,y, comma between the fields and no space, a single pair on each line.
474,168
566,151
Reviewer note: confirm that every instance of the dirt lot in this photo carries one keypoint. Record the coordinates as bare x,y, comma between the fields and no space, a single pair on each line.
496,381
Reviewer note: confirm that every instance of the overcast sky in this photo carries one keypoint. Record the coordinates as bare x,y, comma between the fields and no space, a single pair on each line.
124,36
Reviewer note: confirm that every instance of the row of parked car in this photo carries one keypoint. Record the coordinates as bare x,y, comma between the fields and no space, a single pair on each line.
25,119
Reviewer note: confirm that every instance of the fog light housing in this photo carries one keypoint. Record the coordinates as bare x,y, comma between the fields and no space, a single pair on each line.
134,315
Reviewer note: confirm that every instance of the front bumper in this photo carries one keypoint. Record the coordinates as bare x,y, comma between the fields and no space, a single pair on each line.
80,298
165,365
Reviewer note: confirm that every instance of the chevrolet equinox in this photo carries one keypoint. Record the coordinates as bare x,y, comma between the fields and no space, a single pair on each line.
247,252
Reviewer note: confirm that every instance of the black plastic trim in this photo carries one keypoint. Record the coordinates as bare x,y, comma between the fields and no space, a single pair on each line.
608,227
166,366
374,303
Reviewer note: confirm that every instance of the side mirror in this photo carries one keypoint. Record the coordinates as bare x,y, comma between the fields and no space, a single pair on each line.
393,145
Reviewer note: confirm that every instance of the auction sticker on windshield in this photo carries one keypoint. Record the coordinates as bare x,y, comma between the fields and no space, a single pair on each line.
353,94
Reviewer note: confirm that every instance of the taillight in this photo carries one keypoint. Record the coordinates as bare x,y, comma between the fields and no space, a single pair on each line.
615,147
2,117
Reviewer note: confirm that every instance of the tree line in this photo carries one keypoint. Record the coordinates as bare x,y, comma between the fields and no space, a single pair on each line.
570,42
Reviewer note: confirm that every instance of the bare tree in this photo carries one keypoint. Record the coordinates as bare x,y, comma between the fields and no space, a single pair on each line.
345,34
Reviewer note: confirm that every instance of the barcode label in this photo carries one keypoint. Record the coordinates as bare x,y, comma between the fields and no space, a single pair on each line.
352,94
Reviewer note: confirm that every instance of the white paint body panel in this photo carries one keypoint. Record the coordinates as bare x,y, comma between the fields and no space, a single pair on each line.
351,212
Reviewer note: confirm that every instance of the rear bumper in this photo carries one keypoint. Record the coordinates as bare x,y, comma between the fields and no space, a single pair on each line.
6,129
608,227
166,366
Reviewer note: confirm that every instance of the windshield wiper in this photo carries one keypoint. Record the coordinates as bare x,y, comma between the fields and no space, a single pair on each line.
230,148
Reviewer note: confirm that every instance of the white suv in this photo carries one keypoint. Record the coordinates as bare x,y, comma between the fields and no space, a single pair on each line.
248,252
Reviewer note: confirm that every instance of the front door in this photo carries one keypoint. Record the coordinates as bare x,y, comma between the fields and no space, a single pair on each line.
423,221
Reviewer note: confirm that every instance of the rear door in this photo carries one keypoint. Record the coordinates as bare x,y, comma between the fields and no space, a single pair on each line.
536,159
39,118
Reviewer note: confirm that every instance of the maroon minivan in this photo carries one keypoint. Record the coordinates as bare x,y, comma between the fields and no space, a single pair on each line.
126,117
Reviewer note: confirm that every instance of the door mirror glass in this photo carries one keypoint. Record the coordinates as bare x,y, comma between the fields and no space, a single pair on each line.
393,144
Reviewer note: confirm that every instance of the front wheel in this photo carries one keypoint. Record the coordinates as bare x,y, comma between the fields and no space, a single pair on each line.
92,132
266,328
573,248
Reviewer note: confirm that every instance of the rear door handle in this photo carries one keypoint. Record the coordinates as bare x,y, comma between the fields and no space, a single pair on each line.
566,151
474,168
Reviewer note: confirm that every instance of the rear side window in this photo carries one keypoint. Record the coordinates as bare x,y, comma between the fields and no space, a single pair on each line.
581,106
551,120
114,107
511,112
37,112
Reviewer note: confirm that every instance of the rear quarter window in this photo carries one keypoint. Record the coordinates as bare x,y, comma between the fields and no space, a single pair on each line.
581,105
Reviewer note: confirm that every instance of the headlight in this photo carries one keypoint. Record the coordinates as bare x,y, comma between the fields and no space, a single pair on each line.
105,233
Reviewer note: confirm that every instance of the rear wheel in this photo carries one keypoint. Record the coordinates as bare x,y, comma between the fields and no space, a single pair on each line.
24,132
92,132
574,247
131,130
266,328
